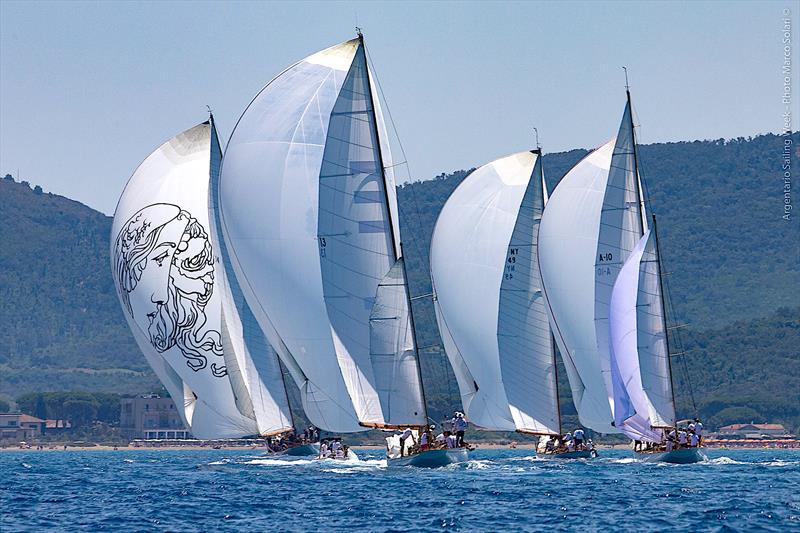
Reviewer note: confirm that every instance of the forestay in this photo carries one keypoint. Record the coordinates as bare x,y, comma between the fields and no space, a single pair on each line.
163,261
306,211
639,360
488,296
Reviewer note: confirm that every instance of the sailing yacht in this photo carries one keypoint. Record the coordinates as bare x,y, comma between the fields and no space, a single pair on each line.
583,253
179,302
489,302
309,211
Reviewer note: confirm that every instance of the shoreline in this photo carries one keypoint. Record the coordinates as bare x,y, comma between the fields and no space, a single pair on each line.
192,447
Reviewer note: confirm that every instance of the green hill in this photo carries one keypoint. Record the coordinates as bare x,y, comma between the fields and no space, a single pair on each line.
733,262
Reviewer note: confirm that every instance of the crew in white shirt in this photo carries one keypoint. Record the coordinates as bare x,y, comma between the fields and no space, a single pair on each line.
403,436
451,441
578,436
682,438
694,440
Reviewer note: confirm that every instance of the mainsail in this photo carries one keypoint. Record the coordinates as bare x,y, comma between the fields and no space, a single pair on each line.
309,213
171,287
489,301
643,399
592,222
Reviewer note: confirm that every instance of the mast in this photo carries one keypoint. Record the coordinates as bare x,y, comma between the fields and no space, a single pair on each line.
391,231
639,195
538,152
664,314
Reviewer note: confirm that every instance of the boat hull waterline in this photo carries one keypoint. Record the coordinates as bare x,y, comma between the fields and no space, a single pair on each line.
302,450
680,457
431,458
577,454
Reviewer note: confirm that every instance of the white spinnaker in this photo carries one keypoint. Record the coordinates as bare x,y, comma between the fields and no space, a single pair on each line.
162,259
525,342
470,250
642,398
619,230
303,162
258,382
567,245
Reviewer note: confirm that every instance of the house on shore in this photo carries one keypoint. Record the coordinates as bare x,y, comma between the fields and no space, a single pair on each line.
151,417
753,431
19,427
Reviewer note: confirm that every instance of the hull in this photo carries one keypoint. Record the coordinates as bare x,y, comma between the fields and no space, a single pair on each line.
302,450
578,454
431,458
680,457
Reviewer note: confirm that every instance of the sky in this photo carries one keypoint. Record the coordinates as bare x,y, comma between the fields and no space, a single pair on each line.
89,89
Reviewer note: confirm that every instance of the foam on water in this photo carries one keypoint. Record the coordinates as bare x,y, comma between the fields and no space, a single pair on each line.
496,490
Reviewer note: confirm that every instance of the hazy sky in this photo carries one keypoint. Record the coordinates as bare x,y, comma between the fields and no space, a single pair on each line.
87,90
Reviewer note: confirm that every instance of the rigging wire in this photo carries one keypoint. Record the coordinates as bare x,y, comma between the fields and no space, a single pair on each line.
424,257
677,339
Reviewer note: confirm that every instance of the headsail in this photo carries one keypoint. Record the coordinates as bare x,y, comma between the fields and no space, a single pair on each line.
639,356
163,264
488,296
307,212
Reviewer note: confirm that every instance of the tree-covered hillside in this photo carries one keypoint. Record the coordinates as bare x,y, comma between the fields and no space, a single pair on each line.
733,261
63,328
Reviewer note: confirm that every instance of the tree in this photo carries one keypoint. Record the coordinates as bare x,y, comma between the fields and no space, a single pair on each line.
80,413
4,406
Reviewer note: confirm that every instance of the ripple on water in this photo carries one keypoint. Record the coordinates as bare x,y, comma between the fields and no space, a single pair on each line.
496,490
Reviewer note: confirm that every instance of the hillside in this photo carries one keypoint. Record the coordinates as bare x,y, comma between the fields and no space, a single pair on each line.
733,262
63,328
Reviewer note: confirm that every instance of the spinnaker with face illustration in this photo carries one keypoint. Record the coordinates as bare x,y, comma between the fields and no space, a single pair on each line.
309,210
178,301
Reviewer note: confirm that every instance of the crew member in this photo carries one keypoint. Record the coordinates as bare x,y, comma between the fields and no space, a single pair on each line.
460,427
403,436
578,436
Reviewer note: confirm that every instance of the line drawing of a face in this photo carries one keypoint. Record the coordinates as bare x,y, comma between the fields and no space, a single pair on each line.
164,269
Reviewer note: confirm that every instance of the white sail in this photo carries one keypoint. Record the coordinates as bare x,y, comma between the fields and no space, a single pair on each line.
640,367
639,361
163,264
488,299
253,366
305,210
527,358
394,360
619,231
567,244
591,224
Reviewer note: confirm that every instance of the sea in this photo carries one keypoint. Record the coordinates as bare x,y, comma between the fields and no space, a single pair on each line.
497,490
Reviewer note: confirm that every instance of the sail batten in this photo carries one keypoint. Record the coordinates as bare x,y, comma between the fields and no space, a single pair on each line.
305,161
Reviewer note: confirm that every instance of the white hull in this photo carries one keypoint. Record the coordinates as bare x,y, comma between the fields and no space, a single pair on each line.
431,458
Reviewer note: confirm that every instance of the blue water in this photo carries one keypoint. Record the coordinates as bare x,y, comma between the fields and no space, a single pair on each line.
498,490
